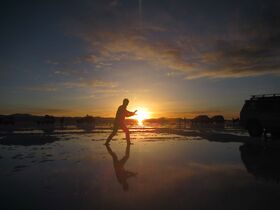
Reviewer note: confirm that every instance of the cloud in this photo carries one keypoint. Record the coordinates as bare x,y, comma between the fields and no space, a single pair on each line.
97,85
131,43
89,84
114,3
255,54
42,88
247,45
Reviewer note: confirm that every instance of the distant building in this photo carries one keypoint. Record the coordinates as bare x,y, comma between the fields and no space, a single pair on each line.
218,119
201,119
86,123
46,120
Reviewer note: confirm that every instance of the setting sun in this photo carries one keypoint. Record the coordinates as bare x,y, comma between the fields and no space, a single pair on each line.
141,115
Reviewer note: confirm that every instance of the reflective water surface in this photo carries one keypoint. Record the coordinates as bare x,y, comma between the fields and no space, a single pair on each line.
163,170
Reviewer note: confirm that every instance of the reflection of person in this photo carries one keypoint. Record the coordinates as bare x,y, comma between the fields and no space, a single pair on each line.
120,121
121,174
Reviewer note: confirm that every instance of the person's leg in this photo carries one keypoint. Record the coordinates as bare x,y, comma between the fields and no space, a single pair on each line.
115,130
127,135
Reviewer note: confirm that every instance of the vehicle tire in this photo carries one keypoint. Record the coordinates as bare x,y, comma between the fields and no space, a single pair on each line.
255,129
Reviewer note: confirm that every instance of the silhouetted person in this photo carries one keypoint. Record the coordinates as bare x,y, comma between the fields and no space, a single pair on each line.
120,121
121,174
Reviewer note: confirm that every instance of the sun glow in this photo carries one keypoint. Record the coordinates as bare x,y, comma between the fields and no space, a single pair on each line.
141,115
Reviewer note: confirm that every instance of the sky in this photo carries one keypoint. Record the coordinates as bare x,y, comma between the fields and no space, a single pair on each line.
176,58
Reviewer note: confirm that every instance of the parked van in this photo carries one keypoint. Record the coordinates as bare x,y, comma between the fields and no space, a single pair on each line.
261,113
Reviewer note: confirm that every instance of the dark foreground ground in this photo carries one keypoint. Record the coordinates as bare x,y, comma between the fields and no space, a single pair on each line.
164,169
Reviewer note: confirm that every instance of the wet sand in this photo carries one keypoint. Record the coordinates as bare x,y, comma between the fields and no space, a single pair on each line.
164,169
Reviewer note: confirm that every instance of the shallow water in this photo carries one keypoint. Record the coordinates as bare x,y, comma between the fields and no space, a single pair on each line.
224,170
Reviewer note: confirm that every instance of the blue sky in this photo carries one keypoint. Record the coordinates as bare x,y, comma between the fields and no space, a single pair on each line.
176,58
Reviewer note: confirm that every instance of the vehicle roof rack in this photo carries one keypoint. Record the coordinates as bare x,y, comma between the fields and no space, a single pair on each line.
265,96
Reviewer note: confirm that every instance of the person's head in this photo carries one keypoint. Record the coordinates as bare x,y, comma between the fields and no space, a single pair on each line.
125,102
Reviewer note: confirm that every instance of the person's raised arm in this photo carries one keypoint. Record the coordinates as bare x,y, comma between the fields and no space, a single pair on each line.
129,114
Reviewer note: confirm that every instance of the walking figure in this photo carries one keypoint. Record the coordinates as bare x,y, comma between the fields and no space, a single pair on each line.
119,122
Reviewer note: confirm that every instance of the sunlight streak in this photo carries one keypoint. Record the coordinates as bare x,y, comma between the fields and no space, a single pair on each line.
142,114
